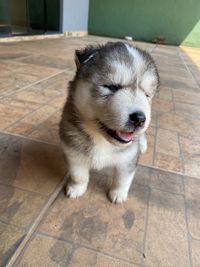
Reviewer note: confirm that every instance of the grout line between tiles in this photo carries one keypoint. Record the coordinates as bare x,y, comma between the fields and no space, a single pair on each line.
24,190
150,187
79,245
57,145
145,229
189,70
31,112
36,223
40,124
193,238
28,138
187,226
22,228
181,155
32,84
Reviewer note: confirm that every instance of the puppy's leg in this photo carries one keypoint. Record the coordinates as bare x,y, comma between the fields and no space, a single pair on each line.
79,178
121,183
143,143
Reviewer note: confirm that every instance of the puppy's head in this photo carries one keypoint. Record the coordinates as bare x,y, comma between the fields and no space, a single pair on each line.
115,84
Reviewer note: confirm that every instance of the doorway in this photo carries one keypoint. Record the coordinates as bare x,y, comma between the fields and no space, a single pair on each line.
23,17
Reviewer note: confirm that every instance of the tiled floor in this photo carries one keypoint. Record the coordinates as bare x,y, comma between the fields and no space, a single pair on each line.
159,225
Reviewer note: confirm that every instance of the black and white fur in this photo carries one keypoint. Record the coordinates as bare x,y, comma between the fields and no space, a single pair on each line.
112,82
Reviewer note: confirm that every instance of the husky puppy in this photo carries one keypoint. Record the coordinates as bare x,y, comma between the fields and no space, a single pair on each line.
106,114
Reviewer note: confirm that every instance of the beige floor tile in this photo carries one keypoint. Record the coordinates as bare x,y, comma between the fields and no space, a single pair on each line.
13,112
15,81
186,97
6,122
20,128
33,95
165,93
46,251
46,135
195,247
56,84
10,115
189,110
167,143
166,240
190,147
168,162
114,229
38,71
10,237
53,121
49,61
162,105
179,123
58,102
166,181
19,207
30,165
153,118
192,168
39,115
192,193
83,257
143,175
14,102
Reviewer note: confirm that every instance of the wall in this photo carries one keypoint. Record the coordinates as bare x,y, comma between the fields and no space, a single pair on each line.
178,21
75,15
18,12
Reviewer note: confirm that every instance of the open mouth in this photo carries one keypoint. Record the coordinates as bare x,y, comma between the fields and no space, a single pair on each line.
121,136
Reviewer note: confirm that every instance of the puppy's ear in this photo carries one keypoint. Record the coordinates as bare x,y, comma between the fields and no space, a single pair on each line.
85,55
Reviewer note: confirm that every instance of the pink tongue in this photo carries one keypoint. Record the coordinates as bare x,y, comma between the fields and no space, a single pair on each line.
126,136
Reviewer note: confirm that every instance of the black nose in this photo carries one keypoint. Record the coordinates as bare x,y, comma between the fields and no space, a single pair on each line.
137,118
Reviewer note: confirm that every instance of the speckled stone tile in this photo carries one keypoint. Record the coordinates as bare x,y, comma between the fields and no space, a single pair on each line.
166,240
40,115
83,257
47,135
179,123
166,94
186,97
166,181
189,110
162,105
192,168
195,250
168,162
30,165
10,237
21,128
10,115
49,61
19,207
167,143
192,193
158,179
46,251
96,223
20,75
190,147
15,102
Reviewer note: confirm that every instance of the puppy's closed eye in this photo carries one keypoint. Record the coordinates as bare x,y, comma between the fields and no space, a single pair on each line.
113,87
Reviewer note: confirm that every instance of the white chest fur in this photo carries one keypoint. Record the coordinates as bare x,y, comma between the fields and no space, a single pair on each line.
105,154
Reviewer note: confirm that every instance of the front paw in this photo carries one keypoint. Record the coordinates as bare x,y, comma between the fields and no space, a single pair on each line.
75,190
118,195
